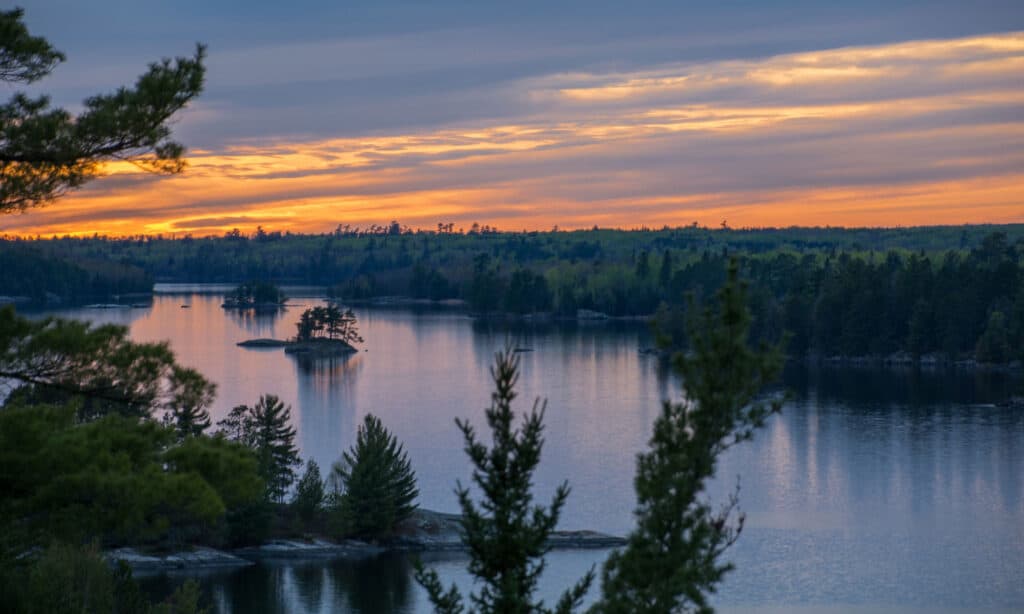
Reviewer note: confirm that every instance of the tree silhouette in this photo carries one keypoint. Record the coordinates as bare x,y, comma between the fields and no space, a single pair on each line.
378,485
46,152
328,322
506,534
266,428
672,559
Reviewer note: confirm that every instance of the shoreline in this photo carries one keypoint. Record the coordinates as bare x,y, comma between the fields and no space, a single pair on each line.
315,347
424,531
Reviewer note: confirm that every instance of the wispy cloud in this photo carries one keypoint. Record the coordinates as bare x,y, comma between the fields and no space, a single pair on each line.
914,132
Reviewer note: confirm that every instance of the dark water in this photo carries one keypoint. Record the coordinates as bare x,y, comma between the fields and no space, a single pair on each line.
873,491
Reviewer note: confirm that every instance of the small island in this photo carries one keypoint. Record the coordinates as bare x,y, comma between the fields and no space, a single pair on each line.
322,332
259,295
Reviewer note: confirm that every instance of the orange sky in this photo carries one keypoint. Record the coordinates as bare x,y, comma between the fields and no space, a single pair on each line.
920,132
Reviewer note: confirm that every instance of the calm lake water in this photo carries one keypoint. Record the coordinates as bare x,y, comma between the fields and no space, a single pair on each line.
873,491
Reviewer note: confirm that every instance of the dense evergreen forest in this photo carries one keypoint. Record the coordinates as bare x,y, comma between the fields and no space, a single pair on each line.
942,292
29,274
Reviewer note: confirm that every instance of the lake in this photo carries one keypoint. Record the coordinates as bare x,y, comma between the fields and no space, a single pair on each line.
872,491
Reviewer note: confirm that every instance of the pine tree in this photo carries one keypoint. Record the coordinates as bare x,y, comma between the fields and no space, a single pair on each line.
506,534
191,394
665,273
994,344
266,429
309,493
643,265
377,483
671,562
46,152
53,360
331,320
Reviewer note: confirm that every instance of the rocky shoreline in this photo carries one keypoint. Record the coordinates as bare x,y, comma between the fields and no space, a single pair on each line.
424,531
315,347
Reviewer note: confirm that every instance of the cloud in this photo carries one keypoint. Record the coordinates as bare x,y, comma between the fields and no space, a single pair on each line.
911,132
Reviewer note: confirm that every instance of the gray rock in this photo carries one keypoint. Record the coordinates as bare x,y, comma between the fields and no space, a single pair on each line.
199,558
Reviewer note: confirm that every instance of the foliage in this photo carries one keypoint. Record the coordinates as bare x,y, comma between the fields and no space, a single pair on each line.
309,493
42,278
506,534
328,322
45,152
24,58
429,283
266,429
851,292
527,293
671,562
191,394
83,455
65,579
57,360
994,344
376,482
486,286
118,479
186,599
228,467
249,524
255,293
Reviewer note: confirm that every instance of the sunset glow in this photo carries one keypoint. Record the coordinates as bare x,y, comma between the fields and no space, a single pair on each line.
919,132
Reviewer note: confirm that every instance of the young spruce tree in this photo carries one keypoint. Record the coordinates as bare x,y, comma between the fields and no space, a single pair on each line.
671,562
378,485
506,534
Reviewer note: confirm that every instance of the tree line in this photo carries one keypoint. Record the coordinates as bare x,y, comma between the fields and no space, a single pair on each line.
954,303
31,274
337,258
954,306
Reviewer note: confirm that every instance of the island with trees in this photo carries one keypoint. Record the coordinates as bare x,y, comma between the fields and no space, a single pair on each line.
255,295
322,331
924,296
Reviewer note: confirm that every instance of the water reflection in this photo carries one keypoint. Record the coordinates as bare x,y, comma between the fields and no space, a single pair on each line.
367,586
380,584
861,492
256,322
326,408
900,386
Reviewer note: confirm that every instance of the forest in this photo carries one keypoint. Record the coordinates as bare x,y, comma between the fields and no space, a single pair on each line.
947,293
30,275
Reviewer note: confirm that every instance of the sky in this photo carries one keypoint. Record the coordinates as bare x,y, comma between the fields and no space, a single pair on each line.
528,115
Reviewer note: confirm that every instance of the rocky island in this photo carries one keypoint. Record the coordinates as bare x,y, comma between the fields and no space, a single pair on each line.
310,347
323,331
